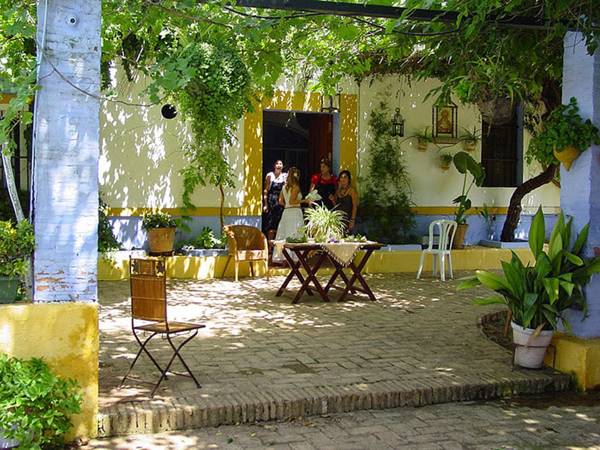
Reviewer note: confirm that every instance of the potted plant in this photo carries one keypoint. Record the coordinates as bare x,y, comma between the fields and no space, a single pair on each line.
466,165
161,231
565,134
538,295
16,245
423,139
324,225
470,139
35,405
445,160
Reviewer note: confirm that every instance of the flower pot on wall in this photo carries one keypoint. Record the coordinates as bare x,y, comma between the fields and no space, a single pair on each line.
8,289
422,144
567,155
530,349
459,236
161,240
469,146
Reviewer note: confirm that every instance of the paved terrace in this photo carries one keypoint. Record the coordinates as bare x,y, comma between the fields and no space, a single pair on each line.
262,358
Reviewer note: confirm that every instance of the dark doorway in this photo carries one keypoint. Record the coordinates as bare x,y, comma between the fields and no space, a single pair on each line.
298,139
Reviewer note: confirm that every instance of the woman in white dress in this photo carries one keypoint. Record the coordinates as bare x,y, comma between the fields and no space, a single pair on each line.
291,219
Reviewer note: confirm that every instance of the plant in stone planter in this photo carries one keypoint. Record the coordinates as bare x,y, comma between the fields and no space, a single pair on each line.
564,135
466,165
35,405
324,225
161,231
537,296
16,246
470,139
445,160
423,139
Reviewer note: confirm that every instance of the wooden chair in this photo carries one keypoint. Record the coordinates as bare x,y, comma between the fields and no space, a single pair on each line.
148,283
246,244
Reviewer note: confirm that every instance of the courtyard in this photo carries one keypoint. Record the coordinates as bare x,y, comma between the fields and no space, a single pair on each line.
262,358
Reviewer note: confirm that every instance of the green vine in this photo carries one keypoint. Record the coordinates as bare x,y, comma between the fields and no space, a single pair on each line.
385,203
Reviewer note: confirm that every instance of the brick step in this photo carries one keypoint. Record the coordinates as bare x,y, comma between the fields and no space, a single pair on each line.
155,416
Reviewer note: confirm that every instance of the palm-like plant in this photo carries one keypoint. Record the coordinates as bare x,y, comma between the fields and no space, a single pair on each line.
323,224
538,295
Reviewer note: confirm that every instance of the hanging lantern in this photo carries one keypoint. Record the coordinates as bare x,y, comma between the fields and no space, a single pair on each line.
331,103
397,124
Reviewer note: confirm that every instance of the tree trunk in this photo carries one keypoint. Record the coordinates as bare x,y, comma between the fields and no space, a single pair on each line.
514,208
221,207
13,193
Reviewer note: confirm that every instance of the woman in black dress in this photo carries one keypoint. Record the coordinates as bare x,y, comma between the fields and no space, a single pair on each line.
274,182
347,199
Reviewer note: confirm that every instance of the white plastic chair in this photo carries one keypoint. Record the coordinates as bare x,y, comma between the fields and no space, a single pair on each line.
446,230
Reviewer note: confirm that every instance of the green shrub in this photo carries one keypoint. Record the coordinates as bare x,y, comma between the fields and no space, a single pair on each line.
16,245
35,405
158,219
106,239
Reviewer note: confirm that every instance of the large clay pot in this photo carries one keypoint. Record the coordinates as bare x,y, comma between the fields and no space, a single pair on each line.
567,155
161,240
459,236
530,349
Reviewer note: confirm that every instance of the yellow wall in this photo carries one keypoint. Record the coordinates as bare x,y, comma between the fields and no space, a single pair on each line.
580,357
65,335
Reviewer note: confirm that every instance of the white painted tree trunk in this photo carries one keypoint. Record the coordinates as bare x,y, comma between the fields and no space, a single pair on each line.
65,152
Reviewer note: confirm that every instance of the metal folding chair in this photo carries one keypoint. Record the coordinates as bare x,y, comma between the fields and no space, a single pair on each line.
148,281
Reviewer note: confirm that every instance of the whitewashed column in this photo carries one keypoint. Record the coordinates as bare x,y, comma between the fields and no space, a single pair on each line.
580,187
66,150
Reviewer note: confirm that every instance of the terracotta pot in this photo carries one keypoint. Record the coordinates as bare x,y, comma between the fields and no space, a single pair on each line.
567,155
161,240
459,236
530,349
445,166
469,146
422,145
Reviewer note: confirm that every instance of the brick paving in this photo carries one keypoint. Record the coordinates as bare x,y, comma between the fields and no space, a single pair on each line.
262,358
560,423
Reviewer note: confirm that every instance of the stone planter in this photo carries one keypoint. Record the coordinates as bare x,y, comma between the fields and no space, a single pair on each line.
499,244
529,349
161,240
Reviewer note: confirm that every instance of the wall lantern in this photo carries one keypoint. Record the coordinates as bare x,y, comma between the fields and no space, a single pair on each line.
331,103
397,124
168,111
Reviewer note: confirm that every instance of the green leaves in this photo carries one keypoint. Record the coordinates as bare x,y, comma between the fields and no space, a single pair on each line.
465,164
537,233
16,246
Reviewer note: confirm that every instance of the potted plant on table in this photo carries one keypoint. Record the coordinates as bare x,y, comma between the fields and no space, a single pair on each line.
538,295
16,246
324,225
565,135
466,165
161,231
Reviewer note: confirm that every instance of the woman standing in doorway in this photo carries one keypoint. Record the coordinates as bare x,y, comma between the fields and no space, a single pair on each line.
325,183
347,200
291,219
274,182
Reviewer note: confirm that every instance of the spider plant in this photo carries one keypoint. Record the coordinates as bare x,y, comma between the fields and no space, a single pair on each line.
324,225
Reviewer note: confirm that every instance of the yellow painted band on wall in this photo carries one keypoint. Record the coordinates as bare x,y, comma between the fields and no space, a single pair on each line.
65,335
207,267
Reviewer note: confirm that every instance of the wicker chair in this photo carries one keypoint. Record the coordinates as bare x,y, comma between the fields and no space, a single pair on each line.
148,283
246,244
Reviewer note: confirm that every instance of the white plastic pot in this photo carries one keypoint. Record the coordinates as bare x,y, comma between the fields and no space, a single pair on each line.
529,349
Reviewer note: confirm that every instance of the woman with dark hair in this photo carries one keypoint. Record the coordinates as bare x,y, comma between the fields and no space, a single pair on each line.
274,182
347,199
325,183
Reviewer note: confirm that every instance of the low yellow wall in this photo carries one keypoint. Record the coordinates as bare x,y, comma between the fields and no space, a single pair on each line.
65,335
580,357
205,267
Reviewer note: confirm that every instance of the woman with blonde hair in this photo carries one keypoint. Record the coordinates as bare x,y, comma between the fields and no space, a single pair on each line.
291,219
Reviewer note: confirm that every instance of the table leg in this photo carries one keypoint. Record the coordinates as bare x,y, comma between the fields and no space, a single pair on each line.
311,276
295,270
358,276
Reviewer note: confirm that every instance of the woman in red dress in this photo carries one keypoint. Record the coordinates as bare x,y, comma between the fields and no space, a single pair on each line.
325,184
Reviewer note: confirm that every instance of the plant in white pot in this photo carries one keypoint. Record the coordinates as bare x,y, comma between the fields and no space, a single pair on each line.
16,246
538,295
161,228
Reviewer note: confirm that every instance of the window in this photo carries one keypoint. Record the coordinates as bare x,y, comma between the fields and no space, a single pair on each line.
502,152
20,159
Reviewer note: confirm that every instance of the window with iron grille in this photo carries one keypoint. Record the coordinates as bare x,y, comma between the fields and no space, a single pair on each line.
502,152
21,159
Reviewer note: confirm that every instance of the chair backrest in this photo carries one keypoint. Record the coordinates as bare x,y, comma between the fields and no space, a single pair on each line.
445,230
148,282
245,238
